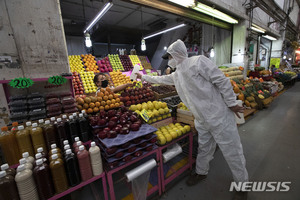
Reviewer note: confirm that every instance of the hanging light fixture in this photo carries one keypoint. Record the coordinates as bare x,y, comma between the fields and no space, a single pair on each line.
212,53
165,48
88,41
143,45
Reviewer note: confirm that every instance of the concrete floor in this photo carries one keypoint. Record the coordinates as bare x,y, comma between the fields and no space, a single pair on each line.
271,142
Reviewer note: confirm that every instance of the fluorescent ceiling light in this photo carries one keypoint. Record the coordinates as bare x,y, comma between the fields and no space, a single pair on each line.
215,13
269,37
257,28
164,31
184,3
99,15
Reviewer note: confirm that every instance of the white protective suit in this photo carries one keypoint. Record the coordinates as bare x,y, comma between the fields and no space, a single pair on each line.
207,93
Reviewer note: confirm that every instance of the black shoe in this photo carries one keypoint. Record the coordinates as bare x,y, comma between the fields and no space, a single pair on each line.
195,178
240,195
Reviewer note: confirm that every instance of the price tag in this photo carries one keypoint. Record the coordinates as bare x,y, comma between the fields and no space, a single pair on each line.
144,115
21,83
57,80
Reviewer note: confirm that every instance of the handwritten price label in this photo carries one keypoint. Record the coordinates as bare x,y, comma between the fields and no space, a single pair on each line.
21,83
144,115
57,80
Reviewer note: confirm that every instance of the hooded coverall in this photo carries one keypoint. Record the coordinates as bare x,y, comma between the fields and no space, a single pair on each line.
208,94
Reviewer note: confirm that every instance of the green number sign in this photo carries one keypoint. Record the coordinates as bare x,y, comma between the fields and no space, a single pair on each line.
21,83
57,80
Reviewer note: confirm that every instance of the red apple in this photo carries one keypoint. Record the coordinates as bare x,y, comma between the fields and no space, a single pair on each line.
117,129
106,129
126,145
131,149
111,150
112,124
102,135
112,134
124,131
127,158
134,127
101,122
119,154
138,153
133,118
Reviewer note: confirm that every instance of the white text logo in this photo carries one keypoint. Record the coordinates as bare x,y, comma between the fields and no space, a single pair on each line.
260,186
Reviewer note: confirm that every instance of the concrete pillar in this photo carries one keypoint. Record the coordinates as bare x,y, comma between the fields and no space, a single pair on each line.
239,41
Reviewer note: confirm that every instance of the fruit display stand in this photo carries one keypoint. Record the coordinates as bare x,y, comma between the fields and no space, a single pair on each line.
145,62
163,91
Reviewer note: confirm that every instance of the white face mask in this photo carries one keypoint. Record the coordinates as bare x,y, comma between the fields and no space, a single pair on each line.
172,63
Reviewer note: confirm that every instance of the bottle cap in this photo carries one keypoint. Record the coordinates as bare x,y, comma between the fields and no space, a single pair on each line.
38,156
21,168
66,142
53,146
28,123
81,148
58,120
66,147
52,119
22,161
78,143
25,155
70,117
15,124
83,111
76,139
34,125
74,114
41,121
47,122
39,162
93,144
54,151
21,127
2,174
68,151
4,128
54,156
4,167
64,116
40,149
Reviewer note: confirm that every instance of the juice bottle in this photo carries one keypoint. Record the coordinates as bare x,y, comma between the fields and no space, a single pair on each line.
96,161
27,165
37,137
14,130
28,126
41,150
84,128
66,147
72,169
9,146
73,128
52,120
53,146
8,187
25,184
9,171
75,142
78,144
84,164
42,176
58,174
40,156
67,126
54,151
66,142
24,141
84,114
61,132
49,134
28,158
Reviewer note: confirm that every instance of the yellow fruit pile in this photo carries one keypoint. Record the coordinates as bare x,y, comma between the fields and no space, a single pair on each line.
170,132
105,100
76,64
90,63
182,106
135,60
87,81
156,110
118,78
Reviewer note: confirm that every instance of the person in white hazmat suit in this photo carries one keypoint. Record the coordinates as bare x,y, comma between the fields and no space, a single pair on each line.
208,94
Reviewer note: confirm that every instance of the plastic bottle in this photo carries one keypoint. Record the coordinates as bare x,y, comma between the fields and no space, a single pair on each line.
76,139
40,156
49,134
78,144
84,164
25,184
84,114
9,171
53,146
96,161
14,130
28,158
67,126
52,120
72,169
54,151
84,128
9,146
28,126
42,176
61,132
37,137
74,132
27,165
24,141
8,187
58,174
41,150
66,142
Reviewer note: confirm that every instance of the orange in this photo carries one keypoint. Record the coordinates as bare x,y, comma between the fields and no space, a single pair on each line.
113,101
99,99
103,103
121,103
106,93
110,96
105,98
118,100
90,111
101,108
102,90
108,102
117,105
92,105
79,107
82,55
96,109
85,105
112,105
97,104
106,107
100,94
111,93
116,96
87,100
108,89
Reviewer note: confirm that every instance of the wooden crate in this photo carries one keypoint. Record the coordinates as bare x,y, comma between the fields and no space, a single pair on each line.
161,96
186,117
163,122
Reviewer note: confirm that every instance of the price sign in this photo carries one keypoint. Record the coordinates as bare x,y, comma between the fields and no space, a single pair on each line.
21,83
57,80
144,115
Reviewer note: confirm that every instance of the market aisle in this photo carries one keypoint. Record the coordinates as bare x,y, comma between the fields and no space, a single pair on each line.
271,146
